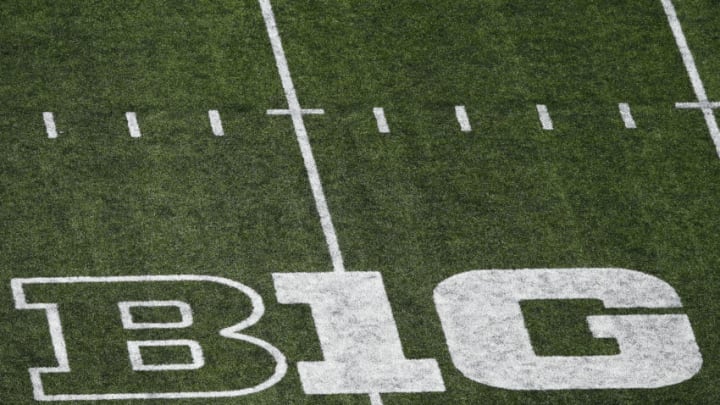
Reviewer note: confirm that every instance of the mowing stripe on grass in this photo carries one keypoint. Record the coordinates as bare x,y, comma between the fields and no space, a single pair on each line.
545,119
627,116
133,124
462,118
296,113
381,120
693,73
216,123
50,125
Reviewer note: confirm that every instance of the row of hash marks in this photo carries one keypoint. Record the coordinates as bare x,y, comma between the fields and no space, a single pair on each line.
543,114
379,113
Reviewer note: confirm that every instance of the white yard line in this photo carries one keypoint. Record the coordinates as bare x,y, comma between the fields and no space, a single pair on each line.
462,118
545,119
627,116
216,123
50,125
687,56
133,124
375,399
381,120
704,104
296,113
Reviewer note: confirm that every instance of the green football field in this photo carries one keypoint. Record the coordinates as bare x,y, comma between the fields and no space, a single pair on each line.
201,198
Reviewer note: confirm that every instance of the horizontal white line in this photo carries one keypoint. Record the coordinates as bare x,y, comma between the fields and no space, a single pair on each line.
462,118
305,111
545,119
50,125
216,123
133,124
706,104
381,120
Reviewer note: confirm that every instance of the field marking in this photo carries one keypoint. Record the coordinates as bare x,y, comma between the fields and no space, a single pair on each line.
133,124
627,116
50,125
381,120
296,113
488,341
361,348
704,103
697,105
60,349
462,118
545,119
304,111
216,123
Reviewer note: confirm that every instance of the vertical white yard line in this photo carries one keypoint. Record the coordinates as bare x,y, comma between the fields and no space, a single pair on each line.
545,119
687,56
692,71
381,120
627,116
462,118
133,124
50,125
216,123
375,399
302,137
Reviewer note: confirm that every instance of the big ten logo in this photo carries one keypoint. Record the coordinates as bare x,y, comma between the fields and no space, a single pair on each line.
132,340
149,337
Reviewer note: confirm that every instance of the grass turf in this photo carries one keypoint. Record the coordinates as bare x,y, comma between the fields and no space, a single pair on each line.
419,205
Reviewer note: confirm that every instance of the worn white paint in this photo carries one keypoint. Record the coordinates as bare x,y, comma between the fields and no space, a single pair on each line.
488,342
138,364
361,347
697,84
216,123
296,113
61,355
462,117
382,124
50,125
626,115
545,119
133,124
128,322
